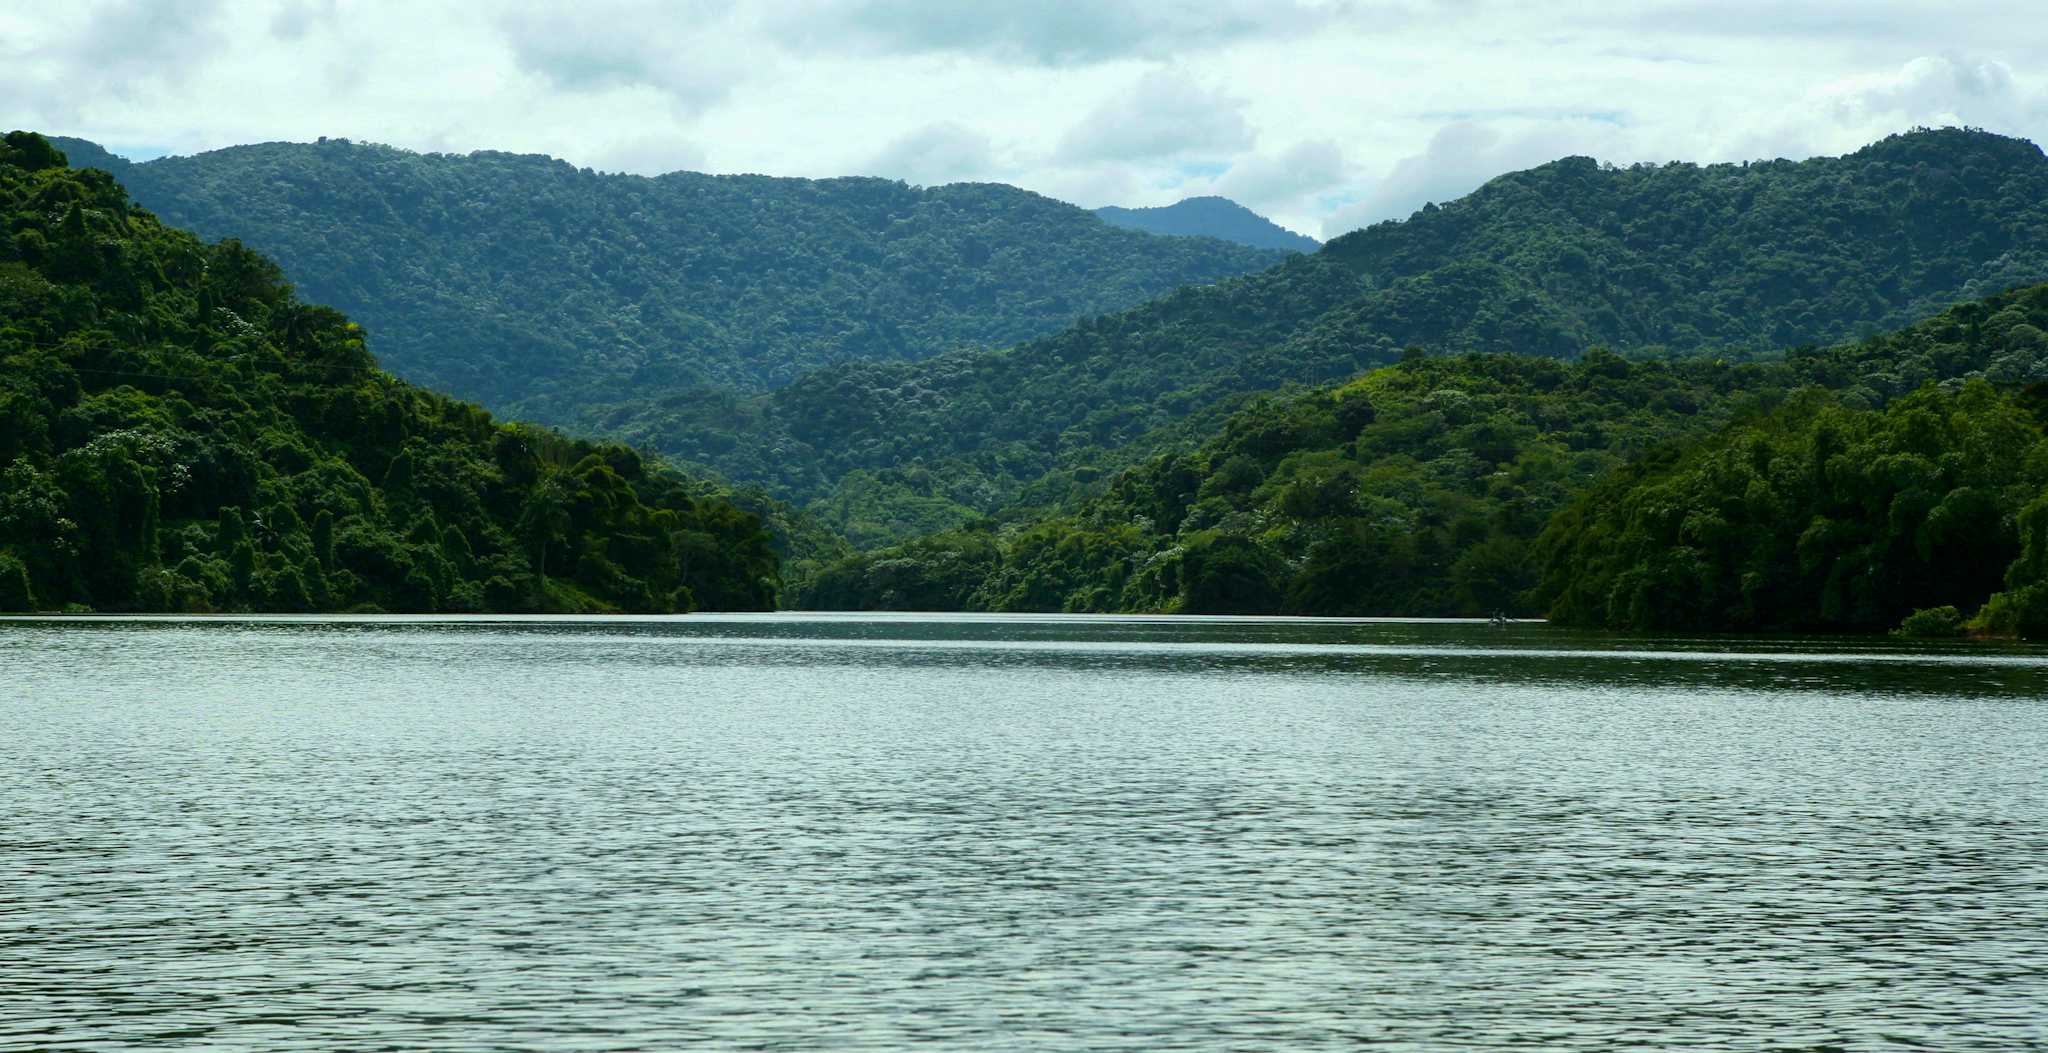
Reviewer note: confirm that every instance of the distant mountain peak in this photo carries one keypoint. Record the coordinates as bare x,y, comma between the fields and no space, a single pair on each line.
1210,216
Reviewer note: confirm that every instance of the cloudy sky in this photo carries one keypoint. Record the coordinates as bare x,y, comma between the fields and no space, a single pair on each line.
1326,114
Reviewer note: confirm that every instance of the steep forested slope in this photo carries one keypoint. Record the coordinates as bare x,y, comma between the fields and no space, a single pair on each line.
1547,262
1423,489
538,287
179,432
1843,510
1214,217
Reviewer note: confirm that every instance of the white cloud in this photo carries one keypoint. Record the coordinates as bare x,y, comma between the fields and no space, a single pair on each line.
1909,23
681,49
133,45
296,18
648,155
1459,159
1165,115
1263,182
1944,89
936,153
1322,113
1052,34
1929,90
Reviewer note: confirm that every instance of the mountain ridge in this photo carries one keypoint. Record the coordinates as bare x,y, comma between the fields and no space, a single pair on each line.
1550,261
1211,216
536,286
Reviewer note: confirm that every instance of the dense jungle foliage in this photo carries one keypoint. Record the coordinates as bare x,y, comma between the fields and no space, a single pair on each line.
538,288
1841,511
179,432
1447,485
1214,217
1544,262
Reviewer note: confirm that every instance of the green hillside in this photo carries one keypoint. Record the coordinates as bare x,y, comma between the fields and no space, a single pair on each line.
537,287
1545,262
179,432
1852,491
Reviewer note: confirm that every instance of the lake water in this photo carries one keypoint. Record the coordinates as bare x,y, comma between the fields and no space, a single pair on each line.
1015,833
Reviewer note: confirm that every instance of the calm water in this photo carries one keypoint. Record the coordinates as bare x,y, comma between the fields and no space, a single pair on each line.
1056,834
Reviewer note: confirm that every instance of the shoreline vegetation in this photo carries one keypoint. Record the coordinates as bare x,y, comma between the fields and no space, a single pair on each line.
180,433
1669,493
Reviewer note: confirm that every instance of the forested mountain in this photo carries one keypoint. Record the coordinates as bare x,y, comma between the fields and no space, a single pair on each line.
1214,217
1545,262
1421,488
1830,488
538,288
179,432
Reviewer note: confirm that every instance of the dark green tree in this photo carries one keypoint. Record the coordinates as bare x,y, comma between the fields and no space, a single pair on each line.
183,434
16,594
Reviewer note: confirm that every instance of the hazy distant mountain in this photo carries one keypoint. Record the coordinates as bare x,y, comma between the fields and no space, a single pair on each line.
1550,261
541,288
1214,217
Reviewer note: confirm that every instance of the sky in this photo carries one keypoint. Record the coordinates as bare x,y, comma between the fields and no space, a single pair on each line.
1326,115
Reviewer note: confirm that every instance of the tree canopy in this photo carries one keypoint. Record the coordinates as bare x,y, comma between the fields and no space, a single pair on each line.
1850,508
180,432
1654,493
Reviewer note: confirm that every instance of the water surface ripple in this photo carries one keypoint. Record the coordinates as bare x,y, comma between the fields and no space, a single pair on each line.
1032,833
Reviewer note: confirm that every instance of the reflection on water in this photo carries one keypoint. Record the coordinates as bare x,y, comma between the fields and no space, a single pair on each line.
878,833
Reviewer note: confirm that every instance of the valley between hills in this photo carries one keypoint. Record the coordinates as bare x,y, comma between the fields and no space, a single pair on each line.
1767,396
